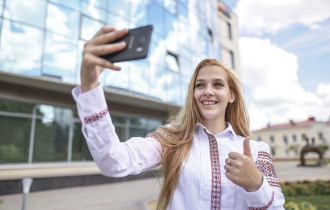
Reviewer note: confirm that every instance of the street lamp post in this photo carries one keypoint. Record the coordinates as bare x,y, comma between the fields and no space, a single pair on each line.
26,189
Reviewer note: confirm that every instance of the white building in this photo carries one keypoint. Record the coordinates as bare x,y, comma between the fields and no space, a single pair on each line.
286,140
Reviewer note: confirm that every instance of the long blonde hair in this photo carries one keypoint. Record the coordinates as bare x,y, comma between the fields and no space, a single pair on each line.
176,137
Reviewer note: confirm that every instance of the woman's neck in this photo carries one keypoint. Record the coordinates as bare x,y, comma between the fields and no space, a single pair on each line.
215,127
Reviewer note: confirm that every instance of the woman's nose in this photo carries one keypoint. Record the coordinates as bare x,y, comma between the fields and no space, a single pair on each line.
209,90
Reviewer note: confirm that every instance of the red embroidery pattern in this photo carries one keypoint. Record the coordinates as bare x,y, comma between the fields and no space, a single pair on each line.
266,168
264,207
216,176
96,117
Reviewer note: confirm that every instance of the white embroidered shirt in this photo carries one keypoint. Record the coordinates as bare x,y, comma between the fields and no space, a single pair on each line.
193,192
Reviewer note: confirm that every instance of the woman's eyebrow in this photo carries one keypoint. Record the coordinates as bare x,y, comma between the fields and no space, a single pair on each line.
202,80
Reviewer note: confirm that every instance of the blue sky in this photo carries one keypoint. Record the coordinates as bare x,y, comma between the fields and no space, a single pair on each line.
285,57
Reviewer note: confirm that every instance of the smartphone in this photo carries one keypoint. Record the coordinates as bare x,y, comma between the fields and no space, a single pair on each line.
137,45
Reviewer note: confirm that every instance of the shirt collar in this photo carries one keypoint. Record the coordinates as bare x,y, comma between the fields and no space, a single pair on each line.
229,129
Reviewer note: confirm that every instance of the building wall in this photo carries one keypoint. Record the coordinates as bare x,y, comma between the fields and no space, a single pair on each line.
40,54
229,35
295,139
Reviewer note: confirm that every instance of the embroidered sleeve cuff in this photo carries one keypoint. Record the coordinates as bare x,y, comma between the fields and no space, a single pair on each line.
260,199
90,104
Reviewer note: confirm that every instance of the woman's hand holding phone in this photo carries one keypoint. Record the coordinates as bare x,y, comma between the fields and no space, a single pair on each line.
92,64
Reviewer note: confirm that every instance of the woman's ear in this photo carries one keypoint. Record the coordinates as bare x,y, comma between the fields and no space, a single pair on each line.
232,97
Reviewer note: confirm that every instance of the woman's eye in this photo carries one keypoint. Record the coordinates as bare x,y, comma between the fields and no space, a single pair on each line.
218,84
199,85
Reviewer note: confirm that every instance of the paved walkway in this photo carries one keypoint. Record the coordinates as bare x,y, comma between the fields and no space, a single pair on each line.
131,195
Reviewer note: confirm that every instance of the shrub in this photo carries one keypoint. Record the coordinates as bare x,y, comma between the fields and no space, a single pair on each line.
291,206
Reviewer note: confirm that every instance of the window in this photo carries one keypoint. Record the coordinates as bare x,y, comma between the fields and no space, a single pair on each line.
232,59
89,27
80,151
285,140
271,138
320,135
210,34
17,10
294,137
303,137
259,138
171,6
62,21
14,59
172,61
14,138
229,31
60,61
273,151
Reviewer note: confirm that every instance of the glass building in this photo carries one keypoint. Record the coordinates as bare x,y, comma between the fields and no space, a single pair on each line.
41,44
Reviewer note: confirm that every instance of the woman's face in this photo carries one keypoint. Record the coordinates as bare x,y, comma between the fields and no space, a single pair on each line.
212,93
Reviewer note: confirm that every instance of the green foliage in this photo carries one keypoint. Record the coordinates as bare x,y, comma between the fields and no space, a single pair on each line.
307,195
306,206
11,153
291,206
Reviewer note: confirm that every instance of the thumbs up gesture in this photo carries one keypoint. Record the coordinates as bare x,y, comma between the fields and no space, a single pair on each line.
241,169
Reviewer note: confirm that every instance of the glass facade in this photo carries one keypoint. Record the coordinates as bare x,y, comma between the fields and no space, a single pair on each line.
41,37
46,38
36,133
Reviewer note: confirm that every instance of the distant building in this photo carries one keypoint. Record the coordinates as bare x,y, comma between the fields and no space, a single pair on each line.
286,140
229,35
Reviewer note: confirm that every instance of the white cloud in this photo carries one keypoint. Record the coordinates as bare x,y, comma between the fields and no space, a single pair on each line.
259,17
270,74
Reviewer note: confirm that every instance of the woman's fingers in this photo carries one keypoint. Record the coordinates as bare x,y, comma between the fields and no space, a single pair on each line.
92,60
103,30
104,49
105,38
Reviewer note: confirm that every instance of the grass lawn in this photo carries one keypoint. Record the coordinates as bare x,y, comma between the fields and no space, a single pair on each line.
322,202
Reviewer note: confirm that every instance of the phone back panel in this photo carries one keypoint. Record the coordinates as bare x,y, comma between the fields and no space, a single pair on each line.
138,42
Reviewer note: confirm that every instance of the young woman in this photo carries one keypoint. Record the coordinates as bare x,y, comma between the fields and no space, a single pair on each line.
206,161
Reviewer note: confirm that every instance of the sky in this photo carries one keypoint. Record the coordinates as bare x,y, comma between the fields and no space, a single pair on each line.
285,59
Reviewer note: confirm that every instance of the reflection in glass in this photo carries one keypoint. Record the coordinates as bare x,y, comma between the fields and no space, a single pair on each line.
121,7
93,12
153,125
117,21
138,13
185,67
60,57
158,82
1,9
172,33
118,79
31,12
173,86
183,12
138,121
25,59
14,139
80,149
170,5
51,134
13,106
172,61
121,133
73,4
139,77
157,19
137,132
157,51
89,27
62,20
118,119
97,3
